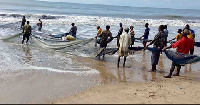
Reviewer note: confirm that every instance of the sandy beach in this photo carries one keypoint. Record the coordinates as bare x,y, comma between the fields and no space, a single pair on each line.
177,90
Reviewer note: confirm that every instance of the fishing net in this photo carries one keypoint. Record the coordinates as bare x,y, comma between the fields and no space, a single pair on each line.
179,58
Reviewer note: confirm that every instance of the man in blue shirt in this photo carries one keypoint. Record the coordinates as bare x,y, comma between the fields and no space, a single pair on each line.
146,35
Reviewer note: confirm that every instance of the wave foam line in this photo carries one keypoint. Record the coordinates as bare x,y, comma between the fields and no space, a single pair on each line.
89,72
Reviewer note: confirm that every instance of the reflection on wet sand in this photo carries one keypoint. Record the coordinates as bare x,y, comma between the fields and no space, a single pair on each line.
160,64
188,70
121,75
27,51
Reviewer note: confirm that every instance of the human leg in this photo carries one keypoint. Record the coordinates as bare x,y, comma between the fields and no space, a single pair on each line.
23,39
27,38
178,70
171,70
118,61
154,59
124,61
191,52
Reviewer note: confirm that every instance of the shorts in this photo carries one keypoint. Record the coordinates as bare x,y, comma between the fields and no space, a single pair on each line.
155,57
98,41
133,40
103,45
144,42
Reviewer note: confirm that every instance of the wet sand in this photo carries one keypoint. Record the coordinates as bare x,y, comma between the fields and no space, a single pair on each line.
134,85
177,90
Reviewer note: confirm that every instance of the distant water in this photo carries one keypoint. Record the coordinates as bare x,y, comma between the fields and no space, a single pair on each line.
57,16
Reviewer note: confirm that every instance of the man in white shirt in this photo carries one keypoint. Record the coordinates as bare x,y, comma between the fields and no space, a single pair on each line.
124,43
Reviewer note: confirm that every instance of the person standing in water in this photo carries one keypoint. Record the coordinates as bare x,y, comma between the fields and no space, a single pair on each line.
23,22
124,43
73,30
183,46
39,25
132,34
146,35
104,37
159,42
99,30
119,33
191,35
178,36
26,32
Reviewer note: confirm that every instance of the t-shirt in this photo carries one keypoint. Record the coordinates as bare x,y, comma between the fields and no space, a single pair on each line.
184,45
166,32
191,34
27,29
146,33
73,30
23,21
160,39
178,36
124,41
99,31
104,37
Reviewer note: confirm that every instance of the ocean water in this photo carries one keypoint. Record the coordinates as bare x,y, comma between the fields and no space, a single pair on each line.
57,16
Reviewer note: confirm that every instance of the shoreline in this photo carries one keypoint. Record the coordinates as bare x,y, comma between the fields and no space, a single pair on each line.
176,90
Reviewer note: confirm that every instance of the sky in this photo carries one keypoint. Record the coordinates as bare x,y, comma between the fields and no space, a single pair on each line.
176,4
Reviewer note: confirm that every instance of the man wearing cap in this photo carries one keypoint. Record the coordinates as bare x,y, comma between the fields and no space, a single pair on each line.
73,30
183,46
124,43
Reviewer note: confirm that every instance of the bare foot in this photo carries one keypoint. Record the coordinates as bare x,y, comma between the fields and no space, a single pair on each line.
176,75
152,70
123,65
168,76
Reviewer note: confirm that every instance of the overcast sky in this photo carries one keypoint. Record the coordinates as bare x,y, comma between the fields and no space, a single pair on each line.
178,4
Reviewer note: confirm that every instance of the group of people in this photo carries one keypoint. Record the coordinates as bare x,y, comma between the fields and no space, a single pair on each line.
27,30
184,43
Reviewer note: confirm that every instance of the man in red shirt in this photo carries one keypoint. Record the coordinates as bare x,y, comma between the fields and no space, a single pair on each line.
183,46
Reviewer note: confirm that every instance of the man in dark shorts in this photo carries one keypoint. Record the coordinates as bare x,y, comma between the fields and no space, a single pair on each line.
159,43
104,37
23,22
183,46
146,34
26,32
119,33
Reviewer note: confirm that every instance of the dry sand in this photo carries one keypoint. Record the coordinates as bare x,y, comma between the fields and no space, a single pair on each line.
177,90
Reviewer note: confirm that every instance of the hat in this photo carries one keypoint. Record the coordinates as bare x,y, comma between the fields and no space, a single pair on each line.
186,32
126,29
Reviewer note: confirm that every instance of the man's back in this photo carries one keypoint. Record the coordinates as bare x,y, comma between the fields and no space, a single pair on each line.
184,45
104,36
160,39
125,41
27,29
74,29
